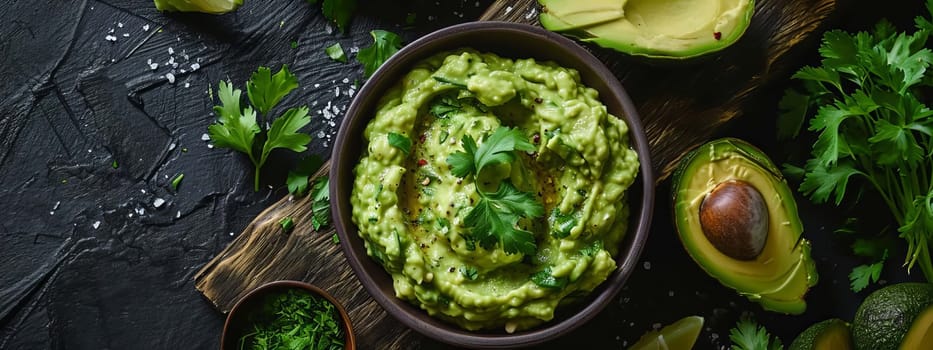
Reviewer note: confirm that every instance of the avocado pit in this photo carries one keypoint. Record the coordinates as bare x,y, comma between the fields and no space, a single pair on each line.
734,218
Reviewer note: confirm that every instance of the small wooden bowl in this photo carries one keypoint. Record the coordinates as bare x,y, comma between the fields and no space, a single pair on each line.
238,321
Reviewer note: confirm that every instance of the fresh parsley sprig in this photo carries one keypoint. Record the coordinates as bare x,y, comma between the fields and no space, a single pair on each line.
237,128
866,106
385,44
748,335
495,217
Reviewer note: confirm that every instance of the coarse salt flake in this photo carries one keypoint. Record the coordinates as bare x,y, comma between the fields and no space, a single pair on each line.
205,137
146,27
170,77
96,224
171,51
158,202
110,38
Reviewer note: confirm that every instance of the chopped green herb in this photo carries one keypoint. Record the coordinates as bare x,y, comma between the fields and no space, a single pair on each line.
561,224
444,80
442,136
177,180
469,272
335,238
339,12
184,150
544,279
385,44
114,164
297,180
294,320
320,205
400,141
592,249
294,44
335,52
445,106
287,224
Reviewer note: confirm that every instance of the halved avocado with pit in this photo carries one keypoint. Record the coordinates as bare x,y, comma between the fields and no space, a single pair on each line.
737,218
671,29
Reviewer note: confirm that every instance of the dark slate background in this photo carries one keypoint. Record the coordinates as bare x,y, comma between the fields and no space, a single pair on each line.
88,261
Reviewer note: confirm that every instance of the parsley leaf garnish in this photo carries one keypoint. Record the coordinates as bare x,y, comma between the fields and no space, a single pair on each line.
385,44
748,335
495,217
445,106
864,102
400,141
469,272
266,90
320,203
335,52
236,128
287,224
545,279
297,180
294,320
339,12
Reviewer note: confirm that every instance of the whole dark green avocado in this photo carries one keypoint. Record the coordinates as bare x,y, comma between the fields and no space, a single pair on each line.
887,314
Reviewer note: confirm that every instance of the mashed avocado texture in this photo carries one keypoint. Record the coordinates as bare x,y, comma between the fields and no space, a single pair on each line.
410,208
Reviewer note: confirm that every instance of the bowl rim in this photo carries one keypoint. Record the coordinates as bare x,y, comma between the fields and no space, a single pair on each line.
599,297
283,285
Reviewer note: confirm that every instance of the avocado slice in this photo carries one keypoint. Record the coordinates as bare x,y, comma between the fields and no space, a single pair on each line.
829,334
893,316
671,29
680,335
751,243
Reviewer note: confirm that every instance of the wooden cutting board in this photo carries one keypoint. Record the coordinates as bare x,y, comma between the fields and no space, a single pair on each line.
681,106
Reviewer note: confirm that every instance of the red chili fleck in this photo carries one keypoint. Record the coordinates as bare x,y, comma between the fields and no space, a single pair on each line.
536,138
717,35
422,138
422,162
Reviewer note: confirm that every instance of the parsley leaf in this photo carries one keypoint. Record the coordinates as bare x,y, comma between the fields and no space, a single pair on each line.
385,44
237,128
320,204
266,90
297,180
495,217
445,106
561,224
177,180
339,12
545,279
400,141
469,272
287,224
748,335
862,275
335,52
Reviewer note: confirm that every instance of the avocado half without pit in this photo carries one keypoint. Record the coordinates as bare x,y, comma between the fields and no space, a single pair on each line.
667,29
737,218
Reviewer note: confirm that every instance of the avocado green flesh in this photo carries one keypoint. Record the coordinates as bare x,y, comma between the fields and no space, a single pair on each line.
680,335
831,334
781,275
920,335
886,316
673,29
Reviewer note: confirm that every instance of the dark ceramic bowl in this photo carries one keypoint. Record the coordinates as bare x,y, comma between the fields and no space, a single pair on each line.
507,40
238,319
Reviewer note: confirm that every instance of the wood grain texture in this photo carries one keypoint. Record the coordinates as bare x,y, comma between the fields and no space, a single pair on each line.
681,105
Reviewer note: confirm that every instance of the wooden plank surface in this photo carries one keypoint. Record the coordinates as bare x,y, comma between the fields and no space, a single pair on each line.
681,105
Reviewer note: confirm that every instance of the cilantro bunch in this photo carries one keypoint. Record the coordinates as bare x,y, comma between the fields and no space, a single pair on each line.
749,335
238,128
495,217
866,102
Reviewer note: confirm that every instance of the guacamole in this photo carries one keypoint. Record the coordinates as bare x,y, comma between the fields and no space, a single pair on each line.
411,210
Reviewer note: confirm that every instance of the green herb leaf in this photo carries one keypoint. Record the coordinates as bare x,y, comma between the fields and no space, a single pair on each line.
297,180
445,106
820,181
177,181
592,249
445,80
862,275
462,163
320,204
469,272
545,279
561,224
400,141
339,12
748,335
235,128
284,132
494,219
335,52
793,112
287,224
266,90
385,44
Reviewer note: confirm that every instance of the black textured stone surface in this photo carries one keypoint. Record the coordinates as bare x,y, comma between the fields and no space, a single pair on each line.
88,261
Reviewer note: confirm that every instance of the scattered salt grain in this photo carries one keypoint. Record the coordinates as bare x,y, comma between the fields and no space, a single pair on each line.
96,224
178,214
187,84
508,9
647,265
346,80
205,137
55,207
531,13
120,24
231,233
171,51
158,202
170,77
195,66
110,38
126,35
146,27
